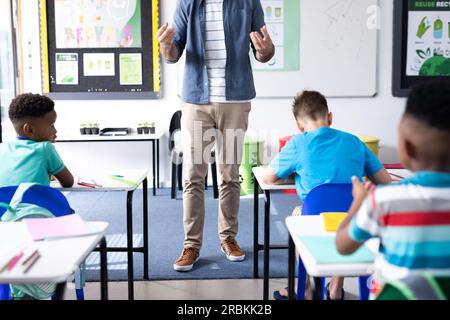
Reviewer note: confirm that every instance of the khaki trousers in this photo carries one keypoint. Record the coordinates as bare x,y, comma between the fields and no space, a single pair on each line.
203,126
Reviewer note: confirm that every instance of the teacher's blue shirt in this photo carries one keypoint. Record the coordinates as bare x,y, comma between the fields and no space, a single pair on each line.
240,18
324,156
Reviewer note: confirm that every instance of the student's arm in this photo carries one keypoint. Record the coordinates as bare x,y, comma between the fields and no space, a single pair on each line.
283,165
381,177
65,177
270,177
350,236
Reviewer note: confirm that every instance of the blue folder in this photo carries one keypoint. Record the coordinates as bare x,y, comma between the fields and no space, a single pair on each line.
323,249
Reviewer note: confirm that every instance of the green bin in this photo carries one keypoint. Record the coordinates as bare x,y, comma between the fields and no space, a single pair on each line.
251,157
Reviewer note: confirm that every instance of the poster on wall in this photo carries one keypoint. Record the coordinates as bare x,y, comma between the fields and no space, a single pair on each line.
98,24
130,69
67,68
428,48
282,22
98,64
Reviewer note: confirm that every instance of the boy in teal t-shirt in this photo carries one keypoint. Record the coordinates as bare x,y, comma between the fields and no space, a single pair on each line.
32,156
320,155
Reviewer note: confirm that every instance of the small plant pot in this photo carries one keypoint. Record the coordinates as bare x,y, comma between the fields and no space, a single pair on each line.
146,130
152,130
95,130
83,131
88,130
140,130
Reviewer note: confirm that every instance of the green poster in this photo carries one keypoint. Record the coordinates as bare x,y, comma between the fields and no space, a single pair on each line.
130,69
283,23
428,38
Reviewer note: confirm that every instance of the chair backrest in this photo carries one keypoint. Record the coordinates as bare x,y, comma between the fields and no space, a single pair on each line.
44,196
332,197
175,125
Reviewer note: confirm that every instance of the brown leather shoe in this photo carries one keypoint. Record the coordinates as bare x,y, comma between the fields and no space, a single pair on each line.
186,261
232,250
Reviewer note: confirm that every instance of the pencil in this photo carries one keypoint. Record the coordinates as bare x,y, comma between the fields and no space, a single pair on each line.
30,257
32,263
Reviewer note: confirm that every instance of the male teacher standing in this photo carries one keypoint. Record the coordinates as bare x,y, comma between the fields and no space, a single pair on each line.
218,88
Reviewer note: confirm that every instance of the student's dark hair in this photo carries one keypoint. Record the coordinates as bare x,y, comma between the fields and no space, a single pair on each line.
310,104
430,103
30,105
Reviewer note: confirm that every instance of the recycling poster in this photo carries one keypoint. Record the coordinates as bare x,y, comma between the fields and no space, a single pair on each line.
428,38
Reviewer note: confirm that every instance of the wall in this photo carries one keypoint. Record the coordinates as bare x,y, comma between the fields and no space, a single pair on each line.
376,116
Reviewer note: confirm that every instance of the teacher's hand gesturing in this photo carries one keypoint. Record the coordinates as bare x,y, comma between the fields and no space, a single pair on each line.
165,36
263,45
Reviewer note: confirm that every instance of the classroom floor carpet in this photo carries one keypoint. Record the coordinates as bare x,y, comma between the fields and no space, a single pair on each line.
166,235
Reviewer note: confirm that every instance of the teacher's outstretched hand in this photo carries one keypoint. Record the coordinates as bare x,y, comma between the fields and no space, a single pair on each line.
263,45
165,36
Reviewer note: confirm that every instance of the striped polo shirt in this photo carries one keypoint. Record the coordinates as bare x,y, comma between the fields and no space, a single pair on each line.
215,50
412,221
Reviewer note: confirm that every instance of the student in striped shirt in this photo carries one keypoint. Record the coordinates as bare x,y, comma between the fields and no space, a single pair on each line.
411,218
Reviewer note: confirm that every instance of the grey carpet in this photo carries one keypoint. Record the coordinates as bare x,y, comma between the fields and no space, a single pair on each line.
166,235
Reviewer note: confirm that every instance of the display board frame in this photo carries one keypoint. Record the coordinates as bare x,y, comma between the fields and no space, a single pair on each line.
401,82
103,86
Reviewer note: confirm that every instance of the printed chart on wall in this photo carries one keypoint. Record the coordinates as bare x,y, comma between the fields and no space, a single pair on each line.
283,24
99,49
428,48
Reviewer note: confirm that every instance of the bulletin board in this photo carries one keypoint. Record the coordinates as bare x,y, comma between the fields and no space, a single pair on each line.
421,43
100,49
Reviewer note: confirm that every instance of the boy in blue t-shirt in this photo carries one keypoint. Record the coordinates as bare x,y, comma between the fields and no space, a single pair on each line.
320,155
32,156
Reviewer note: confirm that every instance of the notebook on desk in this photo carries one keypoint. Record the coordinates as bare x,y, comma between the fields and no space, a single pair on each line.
324,251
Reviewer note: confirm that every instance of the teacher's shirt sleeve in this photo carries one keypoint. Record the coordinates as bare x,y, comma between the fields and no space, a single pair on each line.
180,22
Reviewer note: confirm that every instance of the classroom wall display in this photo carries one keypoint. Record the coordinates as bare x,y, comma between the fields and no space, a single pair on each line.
100,49
283,25
421,43
326,45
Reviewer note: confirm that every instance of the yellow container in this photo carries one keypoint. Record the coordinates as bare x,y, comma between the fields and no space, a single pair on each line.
373,143
332,220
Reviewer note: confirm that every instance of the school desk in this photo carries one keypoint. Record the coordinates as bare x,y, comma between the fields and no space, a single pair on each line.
119,180
258,172
59,257
303,228
153,138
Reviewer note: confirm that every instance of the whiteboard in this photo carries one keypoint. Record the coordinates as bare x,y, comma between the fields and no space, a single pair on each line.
338,53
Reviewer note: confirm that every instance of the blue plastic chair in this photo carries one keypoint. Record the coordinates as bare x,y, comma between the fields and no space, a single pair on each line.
333,197
52,200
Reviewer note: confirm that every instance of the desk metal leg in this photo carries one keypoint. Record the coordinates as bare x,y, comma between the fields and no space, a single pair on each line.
266,244
255,228
59,291
154,167
145,219
318,285
130,245
291,269
157,162
103,270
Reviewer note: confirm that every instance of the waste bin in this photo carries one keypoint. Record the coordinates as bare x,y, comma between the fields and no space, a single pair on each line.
373,143
251,157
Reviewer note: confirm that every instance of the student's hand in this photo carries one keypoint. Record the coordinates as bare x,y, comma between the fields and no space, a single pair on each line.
263,45
359,190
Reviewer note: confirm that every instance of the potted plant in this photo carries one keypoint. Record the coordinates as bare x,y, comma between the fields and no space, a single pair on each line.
140,128
152,127
146,127
95,129
83,128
